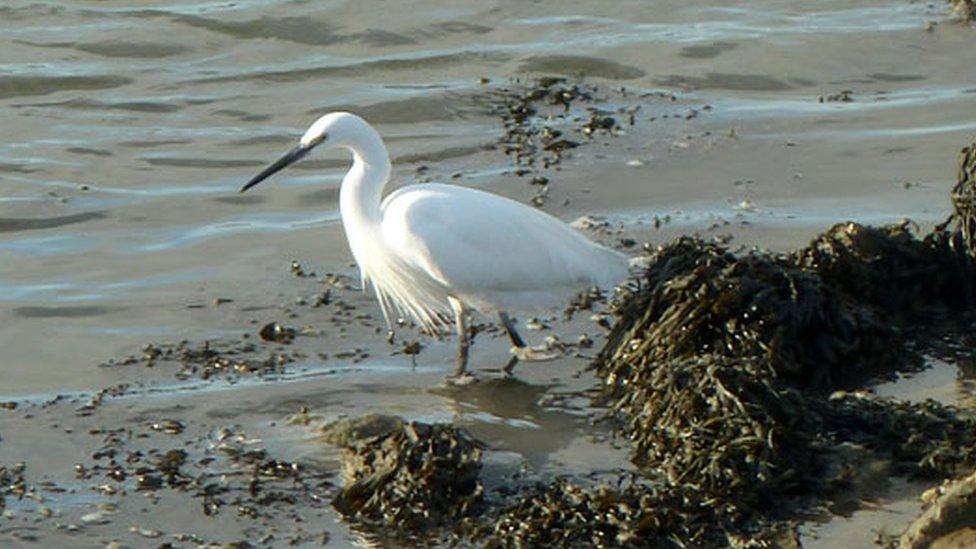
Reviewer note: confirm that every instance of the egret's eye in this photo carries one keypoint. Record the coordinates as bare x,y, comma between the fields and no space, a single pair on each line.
320,138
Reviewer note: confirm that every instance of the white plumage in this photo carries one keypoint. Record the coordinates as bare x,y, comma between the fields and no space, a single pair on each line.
431,252
491,253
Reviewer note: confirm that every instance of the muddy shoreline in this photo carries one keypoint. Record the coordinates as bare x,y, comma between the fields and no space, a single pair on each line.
219,440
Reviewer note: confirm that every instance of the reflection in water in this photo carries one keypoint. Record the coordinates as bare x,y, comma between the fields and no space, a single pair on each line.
9,225
505,412
725,81
21,86
707,51
61,312
945,369
572,65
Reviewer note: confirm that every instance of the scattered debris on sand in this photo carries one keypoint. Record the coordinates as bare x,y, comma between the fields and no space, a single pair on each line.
277,333
12,482
546,117
528,138
223,470
218,357
843,96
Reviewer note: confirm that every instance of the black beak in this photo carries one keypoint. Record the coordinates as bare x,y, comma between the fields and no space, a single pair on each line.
289,158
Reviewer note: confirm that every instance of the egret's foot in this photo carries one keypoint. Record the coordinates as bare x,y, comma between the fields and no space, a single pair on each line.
511,365
540,353
460,380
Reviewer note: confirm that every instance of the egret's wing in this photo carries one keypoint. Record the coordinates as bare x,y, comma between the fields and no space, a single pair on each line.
487,246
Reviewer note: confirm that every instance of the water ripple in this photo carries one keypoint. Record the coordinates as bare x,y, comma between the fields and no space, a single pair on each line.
21,86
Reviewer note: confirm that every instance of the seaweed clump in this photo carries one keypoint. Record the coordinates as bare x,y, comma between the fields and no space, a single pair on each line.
964,10
570,515
12,482
723,371
411,478
963,218
721,424
636,514
711,484
700,299
890,271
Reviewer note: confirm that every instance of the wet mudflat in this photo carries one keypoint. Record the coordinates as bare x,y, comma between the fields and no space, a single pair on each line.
714,399
170,374
242,455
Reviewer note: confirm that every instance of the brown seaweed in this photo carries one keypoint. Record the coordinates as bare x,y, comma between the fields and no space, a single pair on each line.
12,482
963,218
722,370
696,298
412,478
965,10
631,514
720,367
892,271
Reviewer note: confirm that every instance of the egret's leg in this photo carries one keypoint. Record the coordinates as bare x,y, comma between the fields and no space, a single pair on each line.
461,322
517,341
461,375
510,329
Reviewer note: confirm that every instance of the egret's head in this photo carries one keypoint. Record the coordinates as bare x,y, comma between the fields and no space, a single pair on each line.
336,129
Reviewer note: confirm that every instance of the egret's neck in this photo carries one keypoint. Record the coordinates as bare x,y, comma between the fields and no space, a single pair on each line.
362,189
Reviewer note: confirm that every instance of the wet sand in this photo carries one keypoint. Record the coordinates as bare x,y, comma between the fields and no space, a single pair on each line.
142,253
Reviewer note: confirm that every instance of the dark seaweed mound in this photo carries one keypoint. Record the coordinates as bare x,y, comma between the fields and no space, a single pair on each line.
713,481
720,369
699,299
411,479
889,270
566,515
720,424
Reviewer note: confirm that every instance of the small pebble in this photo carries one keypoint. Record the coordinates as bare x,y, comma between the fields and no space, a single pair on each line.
97,517
146,532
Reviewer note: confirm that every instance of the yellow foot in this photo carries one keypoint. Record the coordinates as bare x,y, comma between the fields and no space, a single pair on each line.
460,380
539,353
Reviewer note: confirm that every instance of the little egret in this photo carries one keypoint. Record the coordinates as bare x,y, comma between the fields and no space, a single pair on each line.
431,252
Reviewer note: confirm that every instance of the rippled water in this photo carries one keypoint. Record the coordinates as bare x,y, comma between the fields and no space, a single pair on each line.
128,127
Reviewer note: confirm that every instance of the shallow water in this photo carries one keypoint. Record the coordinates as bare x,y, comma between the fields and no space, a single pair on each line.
160,111
128,128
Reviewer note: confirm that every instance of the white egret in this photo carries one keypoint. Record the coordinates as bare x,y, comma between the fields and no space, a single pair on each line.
431,252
